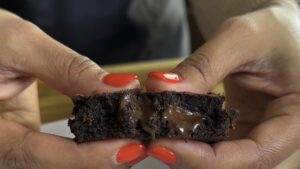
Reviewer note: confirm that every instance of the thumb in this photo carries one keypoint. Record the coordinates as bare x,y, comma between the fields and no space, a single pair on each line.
234,45
199,73
36,54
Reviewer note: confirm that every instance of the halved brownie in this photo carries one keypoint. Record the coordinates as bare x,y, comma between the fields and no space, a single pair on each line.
149,115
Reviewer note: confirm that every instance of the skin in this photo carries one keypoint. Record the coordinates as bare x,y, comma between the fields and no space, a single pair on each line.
260,73
26,53
257,55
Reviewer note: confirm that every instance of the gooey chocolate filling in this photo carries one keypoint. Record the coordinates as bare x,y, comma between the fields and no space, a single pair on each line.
185,121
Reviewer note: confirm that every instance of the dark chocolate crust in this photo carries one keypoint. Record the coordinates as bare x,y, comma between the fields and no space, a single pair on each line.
147,115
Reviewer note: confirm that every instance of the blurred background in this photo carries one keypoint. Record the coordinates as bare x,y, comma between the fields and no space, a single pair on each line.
114,31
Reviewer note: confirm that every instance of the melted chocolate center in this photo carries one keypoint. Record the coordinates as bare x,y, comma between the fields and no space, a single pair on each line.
184,120
129,102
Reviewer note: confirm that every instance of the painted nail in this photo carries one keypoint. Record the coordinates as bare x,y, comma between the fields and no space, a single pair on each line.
139,159
166,77
131,154
164,154
119,79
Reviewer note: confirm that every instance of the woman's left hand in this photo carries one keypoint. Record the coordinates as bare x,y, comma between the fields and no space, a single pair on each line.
258,55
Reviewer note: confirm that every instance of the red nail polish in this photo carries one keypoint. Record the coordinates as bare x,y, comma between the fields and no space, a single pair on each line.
119,79
164,154
142,157
166,77
131,154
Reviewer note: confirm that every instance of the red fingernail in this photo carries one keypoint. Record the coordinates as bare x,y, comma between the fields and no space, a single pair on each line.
166,77
142,157
164,154
131,154
119,79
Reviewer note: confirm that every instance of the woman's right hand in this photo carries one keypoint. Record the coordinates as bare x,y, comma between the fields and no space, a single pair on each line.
257,54
27,53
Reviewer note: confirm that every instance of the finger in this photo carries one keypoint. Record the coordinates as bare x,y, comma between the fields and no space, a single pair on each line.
237,43
268,144
23,148
34,53
23,108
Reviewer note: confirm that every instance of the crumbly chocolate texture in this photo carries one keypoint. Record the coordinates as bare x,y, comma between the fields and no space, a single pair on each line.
148,115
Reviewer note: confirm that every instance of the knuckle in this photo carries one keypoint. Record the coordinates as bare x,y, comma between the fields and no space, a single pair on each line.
264,161
78,66
16,155
202,65
242,25
18,158
262,165
10,159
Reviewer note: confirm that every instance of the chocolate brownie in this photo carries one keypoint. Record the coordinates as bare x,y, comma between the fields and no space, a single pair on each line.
151,115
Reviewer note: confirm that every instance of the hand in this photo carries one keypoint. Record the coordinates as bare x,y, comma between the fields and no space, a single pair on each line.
26,53
258,54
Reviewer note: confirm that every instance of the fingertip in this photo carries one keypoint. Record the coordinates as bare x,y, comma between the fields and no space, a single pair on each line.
163,154
131,153
101,82
115,152
167,77
166,150
119,80
186,151
153,85
111,82
158,82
